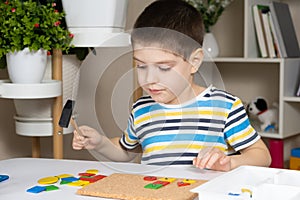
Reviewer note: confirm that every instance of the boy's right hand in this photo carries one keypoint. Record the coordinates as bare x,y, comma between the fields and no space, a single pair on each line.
90,140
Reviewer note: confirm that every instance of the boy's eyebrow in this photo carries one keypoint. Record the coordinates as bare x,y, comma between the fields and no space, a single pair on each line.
161,62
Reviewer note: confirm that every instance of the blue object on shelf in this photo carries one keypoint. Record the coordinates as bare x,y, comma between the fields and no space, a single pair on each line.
295,152
3,177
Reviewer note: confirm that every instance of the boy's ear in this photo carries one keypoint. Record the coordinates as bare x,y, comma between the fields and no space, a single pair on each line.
196,59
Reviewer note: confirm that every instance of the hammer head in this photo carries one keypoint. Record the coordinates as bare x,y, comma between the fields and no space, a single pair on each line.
66,114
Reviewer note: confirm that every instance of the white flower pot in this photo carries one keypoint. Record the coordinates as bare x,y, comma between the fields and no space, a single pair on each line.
210,46
26,66
93,22
41,108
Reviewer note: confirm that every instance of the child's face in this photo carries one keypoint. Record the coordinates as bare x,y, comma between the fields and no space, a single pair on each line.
167,78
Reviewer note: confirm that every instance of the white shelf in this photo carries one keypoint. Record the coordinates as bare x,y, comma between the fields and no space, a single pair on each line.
249,60
33,127
46,89
292,99
248,76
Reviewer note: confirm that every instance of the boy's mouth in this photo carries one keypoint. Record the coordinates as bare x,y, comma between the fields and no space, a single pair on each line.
154,91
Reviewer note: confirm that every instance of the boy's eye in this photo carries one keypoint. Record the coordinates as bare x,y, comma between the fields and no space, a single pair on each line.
164,67
141,66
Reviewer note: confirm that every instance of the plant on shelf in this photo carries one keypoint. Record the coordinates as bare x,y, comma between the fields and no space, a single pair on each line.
28,30
211,10
33,25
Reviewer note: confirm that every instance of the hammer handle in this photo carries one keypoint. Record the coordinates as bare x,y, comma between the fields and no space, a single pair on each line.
74,124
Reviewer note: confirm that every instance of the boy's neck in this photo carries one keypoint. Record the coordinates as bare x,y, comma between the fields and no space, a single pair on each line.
190,93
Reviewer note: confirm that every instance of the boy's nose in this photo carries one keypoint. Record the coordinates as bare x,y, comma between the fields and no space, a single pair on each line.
152,75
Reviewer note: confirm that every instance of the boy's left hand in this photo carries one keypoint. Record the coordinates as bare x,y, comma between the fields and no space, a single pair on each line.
212,158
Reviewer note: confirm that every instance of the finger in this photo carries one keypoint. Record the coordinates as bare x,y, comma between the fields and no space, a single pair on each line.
86,143
225,160
77,146
213,159
196,162
204,160
77,137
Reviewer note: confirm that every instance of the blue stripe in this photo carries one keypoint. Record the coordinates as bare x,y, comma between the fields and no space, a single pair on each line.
238,128
147,109
183,137
235,120
215,103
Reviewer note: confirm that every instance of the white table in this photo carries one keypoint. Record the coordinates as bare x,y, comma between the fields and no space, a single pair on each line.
25,172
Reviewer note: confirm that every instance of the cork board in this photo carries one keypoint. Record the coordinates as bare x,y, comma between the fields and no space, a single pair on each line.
131,187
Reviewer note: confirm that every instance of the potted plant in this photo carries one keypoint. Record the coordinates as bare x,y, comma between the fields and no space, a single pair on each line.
29,28
210,10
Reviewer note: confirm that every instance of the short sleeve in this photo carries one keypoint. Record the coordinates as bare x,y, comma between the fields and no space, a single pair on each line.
238,131
129,140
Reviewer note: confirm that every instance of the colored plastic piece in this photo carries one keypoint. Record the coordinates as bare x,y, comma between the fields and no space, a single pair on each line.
153,186
79,183
36,189
295,152
70,179
294,163
93,178
247,191
150,178
48,180
164,183
3,177
189,181
65,175
86,174
234,194
181,184
92,171
51,188
168,179
64,182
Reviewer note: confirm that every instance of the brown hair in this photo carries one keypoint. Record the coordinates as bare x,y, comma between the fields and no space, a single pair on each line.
170,24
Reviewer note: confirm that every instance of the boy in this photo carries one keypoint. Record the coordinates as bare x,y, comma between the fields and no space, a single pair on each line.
179,123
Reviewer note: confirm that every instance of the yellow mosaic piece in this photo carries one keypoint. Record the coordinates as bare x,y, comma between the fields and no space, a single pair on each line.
48,180
65,175
92,171
79,183
167,179
190,181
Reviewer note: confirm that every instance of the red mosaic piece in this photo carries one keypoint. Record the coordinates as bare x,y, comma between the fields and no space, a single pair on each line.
150,178
164,183
93,178
180,184
86,174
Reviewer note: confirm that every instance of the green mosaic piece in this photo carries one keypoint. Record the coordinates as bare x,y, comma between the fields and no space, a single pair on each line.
64,182
51,187
153,186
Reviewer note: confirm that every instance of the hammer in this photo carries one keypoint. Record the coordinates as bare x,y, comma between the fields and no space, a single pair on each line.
66,117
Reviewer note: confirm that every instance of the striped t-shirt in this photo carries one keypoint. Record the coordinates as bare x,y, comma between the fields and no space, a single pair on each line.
175,134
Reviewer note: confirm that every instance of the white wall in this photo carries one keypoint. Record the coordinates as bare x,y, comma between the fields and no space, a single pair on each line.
13,145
